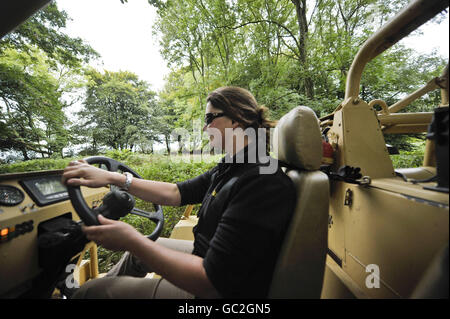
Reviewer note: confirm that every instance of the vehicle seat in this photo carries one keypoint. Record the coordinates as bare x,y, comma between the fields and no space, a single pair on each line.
301,264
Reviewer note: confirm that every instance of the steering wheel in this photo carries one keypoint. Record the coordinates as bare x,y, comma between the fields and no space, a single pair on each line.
89,216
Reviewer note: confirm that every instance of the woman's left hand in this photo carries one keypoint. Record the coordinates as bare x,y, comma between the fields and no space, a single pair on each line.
113,235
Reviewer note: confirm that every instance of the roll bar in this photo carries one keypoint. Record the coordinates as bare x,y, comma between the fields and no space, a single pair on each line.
407,20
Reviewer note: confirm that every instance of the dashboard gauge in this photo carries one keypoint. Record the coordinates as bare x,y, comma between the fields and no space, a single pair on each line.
10,195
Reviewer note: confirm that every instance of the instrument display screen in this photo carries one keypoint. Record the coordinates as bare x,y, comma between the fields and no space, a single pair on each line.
50,186
45,190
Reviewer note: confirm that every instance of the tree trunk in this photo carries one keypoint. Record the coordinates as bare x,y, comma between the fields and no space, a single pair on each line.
300,9
94,145
167,139
25,154
179,145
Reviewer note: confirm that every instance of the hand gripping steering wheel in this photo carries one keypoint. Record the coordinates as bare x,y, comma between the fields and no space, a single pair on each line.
116,203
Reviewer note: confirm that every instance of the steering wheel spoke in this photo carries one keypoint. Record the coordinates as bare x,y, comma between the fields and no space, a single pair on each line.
154,216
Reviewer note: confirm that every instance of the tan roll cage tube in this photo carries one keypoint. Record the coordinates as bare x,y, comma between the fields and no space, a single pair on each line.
407,20
388,115
435,83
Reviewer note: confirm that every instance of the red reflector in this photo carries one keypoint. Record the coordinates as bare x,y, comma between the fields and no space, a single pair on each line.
327,149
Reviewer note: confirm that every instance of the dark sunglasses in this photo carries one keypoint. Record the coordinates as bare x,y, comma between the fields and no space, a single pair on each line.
210,117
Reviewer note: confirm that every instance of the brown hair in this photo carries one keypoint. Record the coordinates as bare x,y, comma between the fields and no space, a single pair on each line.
240,105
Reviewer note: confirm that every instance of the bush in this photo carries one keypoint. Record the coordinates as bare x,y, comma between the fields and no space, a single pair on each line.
407,159
34,165
411,147
119,155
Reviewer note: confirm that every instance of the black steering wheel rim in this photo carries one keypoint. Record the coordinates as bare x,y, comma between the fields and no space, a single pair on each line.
88,216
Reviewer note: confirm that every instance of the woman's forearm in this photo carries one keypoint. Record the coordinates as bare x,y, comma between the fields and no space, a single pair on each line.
80,173
160,193
181,269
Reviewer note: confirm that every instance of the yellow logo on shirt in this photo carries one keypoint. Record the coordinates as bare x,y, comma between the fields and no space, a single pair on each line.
213,193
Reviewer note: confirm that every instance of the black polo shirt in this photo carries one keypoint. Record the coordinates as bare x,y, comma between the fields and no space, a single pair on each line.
241,225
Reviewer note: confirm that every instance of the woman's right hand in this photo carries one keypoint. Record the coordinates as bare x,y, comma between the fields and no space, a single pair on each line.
80,173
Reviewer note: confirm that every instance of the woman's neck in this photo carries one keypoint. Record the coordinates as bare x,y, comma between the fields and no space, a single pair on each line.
238,144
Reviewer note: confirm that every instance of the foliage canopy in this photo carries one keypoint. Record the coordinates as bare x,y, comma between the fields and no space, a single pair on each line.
286,52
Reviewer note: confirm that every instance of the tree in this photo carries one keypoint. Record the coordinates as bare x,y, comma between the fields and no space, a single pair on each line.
38,63
287,52
117,111
44,30
32,117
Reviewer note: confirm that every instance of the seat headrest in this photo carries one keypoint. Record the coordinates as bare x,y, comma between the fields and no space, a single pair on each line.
298,140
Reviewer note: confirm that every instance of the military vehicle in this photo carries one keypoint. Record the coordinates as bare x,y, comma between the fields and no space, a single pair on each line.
361,228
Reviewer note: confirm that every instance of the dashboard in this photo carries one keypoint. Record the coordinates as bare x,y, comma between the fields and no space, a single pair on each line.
26,201
43,190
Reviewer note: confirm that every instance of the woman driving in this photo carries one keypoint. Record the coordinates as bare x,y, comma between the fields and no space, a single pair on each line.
243,218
